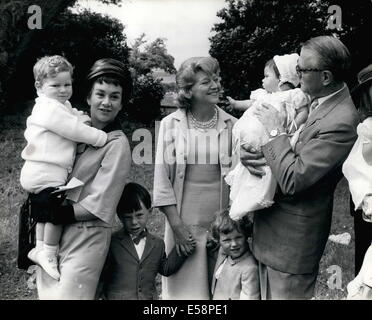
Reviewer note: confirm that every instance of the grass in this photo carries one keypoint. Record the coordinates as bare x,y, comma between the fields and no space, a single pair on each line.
13,282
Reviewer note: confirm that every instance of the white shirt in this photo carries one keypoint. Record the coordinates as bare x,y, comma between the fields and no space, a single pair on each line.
140,247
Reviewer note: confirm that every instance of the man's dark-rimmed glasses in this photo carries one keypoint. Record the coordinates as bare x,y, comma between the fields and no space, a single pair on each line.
300,70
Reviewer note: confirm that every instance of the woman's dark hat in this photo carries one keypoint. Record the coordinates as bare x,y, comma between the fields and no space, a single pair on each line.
108,66
114,68
364,77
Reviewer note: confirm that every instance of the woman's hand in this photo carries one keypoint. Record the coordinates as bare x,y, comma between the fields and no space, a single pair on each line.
253,160
185,243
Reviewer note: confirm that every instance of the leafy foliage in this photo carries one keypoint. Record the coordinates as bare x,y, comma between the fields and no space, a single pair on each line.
253,31
82,38
355,31
154,55
147,95
15,34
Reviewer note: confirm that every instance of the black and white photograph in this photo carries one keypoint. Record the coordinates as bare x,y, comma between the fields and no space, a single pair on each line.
207,150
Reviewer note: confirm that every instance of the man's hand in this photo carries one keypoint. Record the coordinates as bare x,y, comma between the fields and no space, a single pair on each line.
270,118
253,160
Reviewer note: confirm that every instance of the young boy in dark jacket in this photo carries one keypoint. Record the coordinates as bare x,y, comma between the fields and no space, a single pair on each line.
135,256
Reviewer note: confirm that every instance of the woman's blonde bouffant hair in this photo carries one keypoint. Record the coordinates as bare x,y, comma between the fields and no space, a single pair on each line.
185,77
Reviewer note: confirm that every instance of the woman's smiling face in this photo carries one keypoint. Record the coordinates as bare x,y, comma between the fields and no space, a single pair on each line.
206,88
105,101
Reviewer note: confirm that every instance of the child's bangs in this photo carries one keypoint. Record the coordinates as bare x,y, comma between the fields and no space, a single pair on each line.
228,226
133,204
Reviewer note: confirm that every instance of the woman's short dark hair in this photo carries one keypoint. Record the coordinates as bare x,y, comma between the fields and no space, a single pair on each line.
133,195
224,224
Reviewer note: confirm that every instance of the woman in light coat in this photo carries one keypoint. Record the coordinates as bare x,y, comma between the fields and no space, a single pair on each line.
193,156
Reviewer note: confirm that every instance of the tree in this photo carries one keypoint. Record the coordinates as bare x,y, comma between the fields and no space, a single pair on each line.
91,36
16,37
147,95
154,55
82,38
253,31
355,30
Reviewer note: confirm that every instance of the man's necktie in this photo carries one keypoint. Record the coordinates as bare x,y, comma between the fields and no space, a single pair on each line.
137,239
313,105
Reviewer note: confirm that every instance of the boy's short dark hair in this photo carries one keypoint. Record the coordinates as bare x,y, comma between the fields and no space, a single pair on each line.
133,195
224,224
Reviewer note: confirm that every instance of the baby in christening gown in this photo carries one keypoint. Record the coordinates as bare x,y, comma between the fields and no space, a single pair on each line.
248,192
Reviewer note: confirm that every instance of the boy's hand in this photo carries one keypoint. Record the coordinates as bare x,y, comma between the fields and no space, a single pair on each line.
211,242
191,248
113,135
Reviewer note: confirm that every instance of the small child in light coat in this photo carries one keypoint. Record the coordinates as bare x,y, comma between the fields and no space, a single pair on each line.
236,272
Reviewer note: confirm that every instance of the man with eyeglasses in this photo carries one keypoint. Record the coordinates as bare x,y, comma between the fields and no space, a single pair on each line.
289,238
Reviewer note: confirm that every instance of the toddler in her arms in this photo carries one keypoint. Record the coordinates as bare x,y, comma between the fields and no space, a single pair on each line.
279,90
236,272
53,130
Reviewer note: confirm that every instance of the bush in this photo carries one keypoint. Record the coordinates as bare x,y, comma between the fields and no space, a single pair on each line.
82,38
253,31
147,95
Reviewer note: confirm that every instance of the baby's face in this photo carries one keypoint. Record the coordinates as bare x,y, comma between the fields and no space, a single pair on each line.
58,88
233,244
270,82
